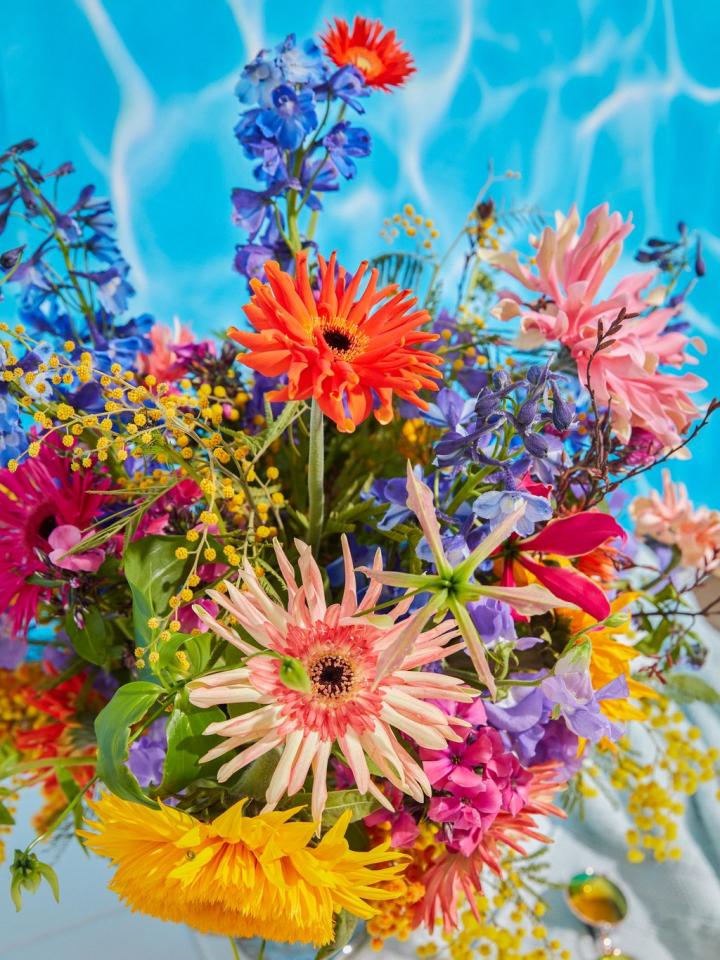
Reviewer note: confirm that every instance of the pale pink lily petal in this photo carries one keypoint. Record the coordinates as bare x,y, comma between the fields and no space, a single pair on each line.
421,501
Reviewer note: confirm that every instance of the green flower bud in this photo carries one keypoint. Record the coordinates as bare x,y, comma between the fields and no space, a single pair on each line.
27,873
294,675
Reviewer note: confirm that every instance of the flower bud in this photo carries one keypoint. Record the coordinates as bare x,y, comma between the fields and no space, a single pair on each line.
563,412
535,444
294,676
27,873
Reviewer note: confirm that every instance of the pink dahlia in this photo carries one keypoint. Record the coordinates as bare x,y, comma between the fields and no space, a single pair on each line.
42,495
570,268
672,519
340,694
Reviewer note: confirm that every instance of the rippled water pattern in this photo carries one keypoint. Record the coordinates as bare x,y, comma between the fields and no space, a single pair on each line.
614,100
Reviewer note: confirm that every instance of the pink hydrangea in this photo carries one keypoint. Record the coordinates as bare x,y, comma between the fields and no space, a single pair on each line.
672,519
635,371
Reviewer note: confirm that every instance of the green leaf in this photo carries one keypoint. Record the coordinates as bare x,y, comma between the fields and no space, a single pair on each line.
198,650
6,818
255,779
92,641
186,744
338,801
112,727
154,574
345,924
686,688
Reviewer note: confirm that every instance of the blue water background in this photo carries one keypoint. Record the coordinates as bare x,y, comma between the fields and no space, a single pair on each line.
617,100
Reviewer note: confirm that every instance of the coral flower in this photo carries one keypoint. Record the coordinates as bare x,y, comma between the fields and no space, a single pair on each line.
672,519
238,875
40,496
350,353
376,54
349,700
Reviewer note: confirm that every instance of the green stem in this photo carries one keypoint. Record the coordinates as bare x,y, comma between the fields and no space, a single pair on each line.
233,945
261,951
63,813
316,476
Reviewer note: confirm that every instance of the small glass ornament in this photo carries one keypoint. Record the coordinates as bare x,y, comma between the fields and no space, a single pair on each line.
601,905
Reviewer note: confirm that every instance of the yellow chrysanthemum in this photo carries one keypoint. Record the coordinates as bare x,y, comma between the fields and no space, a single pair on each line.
611,657
238,875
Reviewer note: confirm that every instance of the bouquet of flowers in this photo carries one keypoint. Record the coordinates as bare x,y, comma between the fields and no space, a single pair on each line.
319,622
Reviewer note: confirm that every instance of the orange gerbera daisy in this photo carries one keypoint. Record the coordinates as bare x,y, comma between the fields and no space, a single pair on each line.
377,55
350,353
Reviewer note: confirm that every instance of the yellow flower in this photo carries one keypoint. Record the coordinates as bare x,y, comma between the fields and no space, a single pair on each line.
238,875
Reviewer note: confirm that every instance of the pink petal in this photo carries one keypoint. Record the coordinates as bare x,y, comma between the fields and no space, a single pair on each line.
575,535
572,587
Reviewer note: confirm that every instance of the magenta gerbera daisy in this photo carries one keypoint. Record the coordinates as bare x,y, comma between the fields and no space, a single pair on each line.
40,496
349,701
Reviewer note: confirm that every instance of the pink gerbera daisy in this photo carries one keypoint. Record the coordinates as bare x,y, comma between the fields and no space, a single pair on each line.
40,496
349,700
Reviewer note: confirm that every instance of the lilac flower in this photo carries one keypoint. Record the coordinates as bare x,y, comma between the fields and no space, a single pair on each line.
147,754
495,505
493,620
570,689
13,648
525,718
343,143
290,117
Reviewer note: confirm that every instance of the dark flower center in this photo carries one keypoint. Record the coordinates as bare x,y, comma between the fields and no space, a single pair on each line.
337,340
331,676
46,527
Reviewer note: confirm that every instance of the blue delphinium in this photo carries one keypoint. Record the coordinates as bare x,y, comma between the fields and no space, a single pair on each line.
299,149
511,417
71,284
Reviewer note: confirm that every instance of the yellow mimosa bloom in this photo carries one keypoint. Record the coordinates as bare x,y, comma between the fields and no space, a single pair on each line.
238,875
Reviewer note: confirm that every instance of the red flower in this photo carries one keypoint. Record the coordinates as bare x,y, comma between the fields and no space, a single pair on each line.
349,352
377,55
573,536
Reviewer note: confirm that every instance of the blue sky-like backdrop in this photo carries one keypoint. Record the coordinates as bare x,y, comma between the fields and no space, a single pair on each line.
591,100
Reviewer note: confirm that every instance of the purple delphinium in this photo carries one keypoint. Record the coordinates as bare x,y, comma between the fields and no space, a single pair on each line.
147,754
290,116
343,143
